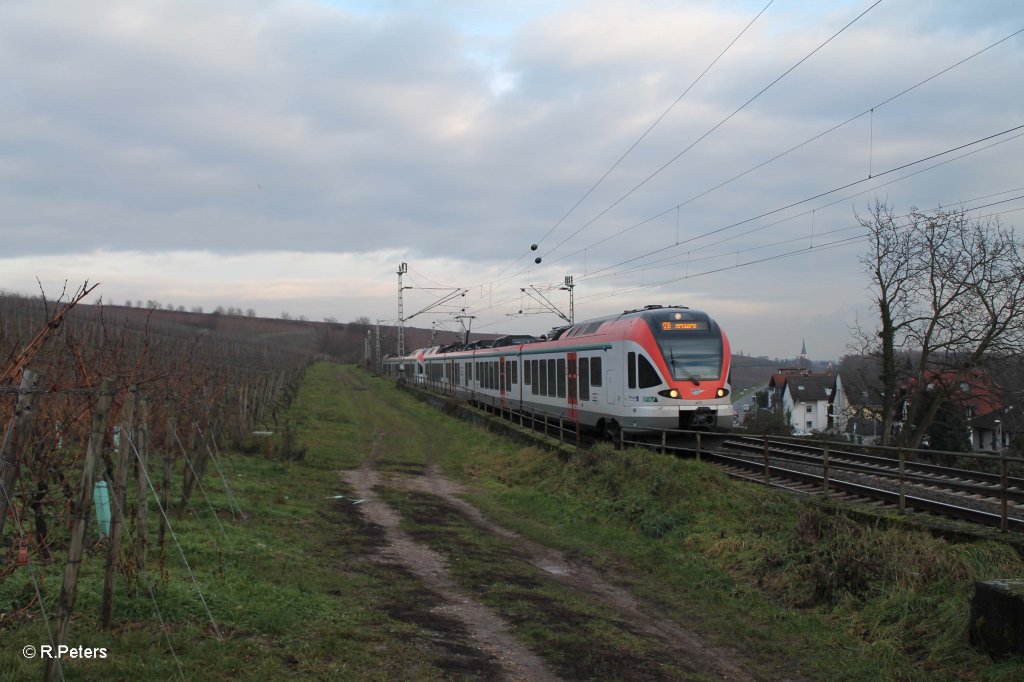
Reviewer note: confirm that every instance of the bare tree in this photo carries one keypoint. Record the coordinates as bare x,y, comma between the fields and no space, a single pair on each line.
948,288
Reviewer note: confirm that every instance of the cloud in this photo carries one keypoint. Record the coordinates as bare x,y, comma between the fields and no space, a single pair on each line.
455,134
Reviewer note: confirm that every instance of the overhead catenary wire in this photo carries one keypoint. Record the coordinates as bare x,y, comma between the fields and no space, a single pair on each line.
502,301
651,127
715,127
689,259
813,138
796,252
856,239
747,233
827,246
840,188
748,220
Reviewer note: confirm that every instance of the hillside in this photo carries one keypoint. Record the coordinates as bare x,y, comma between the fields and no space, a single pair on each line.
346,341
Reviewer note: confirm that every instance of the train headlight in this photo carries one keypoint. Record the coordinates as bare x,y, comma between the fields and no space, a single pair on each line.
670,393
673,393
722,392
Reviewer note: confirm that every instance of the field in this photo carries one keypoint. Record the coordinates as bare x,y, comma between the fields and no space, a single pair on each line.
397,543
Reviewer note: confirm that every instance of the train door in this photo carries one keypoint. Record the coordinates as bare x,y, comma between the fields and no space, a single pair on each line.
574,413
501,379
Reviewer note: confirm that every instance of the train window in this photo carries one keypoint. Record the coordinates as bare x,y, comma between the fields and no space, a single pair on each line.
515,372
561,377
595,372
543,367
584,375
631,369
552,377
527,376
648,375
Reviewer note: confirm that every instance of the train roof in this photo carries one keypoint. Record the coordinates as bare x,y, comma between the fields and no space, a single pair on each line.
585,328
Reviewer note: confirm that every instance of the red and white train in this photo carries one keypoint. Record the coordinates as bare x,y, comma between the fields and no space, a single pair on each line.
662,367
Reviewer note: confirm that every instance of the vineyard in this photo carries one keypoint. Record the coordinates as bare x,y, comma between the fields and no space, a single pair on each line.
113,427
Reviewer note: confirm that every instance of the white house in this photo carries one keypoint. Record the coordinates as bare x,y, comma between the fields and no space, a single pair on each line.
810,402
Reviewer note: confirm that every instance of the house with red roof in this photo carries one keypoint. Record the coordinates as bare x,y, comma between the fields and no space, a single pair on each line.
992,422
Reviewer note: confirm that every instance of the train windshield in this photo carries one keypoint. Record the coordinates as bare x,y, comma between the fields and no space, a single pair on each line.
693,357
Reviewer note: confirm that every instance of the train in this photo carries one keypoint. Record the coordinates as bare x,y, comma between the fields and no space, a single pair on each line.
654,368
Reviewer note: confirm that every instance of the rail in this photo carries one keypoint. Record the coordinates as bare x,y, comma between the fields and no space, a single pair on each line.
903,468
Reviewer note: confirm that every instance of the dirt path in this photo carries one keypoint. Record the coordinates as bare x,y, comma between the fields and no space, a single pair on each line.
688,645
487,628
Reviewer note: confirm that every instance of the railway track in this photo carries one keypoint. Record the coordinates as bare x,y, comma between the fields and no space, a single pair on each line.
977,497
919,473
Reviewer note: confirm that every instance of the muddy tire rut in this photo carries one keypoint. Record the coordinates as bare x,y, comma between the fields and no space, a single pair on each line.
487,629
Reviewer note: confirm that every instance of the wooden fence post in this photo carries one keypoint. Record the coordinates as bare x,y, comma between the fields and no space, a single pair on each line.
767,465
80,516
902,482
118,498
15,440
824,472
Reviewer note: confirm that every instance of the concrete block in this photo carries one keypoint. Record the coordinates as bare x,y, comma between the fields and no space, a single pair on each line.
997,617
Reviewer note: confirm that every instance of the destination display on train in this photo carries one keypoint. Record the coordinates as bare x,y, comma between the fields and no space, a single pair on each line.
670,326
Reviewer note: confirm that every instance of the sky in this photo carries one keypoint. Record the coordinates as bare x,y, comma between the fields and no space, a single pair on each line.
288,155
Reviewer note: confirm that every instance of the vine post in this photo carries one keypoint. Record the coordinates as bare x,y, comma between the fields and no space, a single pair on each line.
119,498
141,447
15,440
80,516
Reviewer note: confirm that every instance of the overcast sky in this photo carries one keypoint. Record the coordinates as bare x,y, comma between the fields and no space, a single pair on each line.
288,155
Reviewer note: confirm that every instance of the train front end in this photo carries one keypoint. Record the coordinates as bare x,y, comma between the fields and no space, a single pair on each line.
692,353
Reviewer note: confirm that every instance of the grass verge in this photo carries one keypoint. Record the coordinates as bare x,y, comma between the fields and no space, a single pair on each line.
296,590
